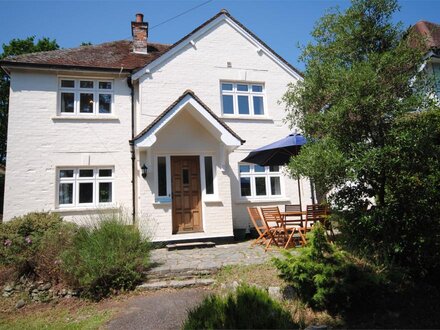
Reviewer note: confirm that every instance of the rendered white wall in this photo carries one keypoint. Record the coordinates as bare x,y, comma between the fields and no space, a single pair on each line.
201,68
38,143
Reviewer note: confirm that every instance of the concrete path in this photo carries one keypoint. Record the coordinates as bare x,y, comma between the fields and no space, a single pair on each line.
209,258
160,310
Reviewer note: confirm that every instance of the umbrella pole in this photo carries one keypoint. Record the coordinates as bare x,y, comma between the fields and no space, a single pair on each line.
299,194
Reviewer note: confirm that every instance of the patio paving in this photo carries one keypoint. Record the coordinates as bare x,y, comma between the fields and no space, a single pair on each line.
209,259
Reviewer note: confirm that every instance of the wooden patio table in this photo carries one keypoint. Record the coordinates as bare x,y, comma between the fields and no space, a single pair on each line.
298,222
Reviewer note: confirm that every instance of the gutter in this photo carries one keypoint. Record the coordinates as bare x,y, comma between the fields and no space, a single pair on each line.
133,153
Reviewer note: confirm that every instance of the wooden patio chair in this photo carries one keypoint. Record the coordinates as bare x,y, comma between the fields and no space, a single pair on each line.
293,219
283,235
259,225
315,213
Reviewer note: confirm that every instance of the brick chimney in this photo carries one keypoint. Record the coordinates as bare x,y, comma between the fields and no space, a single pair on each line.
139,31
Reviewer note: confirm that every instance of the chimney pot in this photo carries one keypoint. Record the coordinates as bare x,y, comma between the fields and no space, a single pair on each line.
139,17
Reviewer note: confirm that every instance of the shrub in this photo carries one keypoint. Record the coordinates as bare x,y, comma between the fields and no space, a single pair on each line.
48,256
106,257
248,308
326,278
20,239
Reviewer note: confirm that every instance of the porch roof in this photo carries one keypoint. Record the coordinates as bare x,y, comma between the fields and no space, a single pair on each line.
147,137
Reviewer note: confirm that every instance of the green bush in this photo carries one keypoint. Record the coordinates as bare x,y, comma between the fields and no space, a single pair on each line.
106,257
21,237
48,256
248,308
326,278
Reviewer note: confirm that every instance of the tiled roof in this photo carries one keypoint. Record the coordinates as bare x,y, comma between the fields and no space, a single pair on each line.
195,97
116,55
430,31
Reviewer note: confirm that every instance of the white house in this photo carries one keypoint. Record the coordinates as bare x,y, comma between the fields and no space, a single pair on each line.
156,129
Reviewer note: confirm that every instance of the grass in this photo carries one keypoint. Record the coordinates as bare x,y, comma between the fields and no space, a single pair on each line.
266,275
67,314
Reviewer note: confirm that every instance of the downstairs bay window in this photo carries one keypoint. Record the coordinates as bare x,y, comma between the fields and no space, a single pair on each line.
85,187
260,181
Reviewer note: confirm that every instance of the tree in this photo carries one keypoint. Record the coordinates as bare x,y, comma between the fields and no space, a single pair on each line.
16,47
375,134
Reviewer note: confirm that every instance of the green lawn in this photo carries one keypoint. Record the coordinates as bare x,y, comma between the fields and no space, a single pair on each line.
77,315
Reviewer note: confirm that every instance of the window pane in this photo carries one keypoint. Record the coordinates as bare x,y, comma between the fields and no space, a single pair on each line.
228,104
275,187
105,85
105,173
258,105
260,186
68,83
86,103
245,185
65,193
86,192
105,101
162,176
86,173
226,87
242,88
258,168
245,168
185,176
243,105
67,102
66,173
86,84
257,88
274,168
105,192
209,180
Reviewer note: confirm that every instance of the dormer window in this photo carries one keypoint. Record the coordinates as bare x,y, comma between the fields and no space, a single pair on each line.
85,97
242,99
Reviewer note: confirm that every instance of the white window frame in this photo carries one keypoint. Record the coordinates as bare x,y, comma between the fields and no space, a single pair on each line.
77,91
252,174
166,198
76,180
235,93
214,196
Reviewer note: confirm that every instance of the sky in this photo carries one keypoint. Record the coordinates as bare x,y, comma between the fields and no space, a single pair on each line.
282,24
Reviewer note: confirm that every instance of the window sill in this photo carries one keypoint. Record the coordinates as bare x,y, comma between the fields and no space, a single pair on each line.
86,118
262,200
85,209
213,201
256,118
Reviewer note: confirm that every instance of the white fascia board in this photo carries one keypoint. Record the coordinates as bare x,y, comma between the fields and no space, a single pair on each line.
147,140
192,38
260,47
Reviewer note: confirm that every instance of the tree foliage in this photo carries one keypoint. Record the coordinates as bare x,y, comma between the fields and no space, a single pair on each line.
375,133
16,47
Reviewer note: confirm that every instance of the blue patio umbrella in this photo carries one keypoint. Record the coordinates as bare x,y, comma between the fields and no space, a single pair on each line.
278,153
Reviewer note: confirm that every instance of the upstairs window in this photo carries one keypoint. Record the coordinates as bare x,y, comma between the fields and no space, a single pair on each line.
240,99
259,181
85,97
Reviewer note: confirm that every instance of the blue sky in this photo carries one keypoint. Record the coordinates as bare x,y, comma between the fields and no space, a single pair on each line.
282,24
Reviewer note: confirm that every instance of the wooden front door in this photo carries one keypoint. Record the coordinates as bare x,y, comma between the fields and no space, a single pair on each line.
186,195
